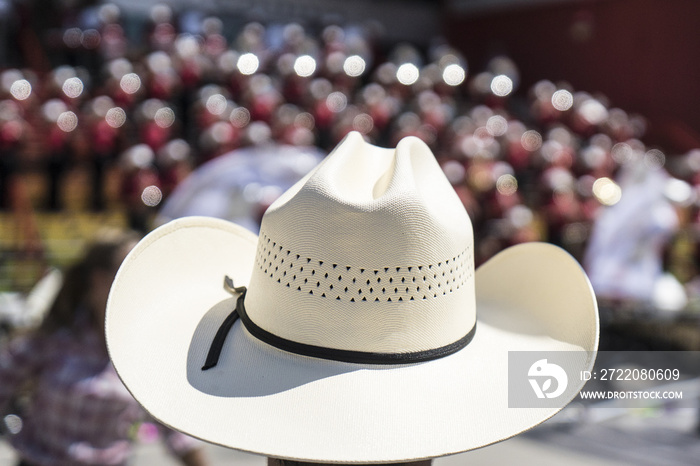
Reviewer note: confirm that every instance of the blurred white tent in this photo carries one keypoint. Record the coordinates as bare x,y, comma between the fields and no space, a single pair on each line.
20,310
237,185
624,258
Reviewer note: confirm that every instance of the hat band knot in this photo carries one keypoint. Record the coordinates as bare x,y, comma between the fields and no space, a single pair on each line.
334,354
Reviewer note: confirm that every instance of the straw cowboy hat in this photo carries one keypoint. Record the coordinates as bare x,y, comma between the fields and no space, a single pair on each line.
354,327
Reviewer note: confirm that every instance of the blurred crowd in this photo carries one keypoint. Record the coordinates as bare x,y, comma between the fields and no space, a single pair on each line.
153,100
529,164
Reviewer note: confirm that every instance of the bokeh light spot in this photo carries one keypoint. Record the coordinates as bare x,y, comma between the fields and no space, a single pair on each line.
130,83
139,156
354,66
497,125
67,121
305,120
454,171
520,216
115,117
607,191
248,63
150,107
531,140
407,74
363,123
91,39
100,105
501,85
336,102
593,111
221,132
654,158
164,117
335,62
562,100
227,61
119,67
507,184
53,109
73,37
73,87
187,46
259,132
454,75
240,117
305,66
21,89
8,77
151,196
679,191
13,423
216,104
622,153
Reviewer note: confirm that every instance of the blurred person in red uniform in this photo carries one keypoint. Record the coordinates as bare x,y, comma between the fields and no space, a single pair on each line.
78,412
562,204
12,136
122,84
214,42
156,123
105,122
163,81
262,97
114,42
174,162
139,178
60,140
161,32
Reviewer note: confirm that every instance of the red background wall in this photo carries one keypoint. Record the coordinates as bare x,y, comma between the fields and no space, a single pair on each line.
643,54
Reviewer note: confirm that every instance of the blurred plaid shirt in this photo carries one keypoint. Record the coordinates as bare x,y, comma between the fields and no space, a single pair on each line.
80,413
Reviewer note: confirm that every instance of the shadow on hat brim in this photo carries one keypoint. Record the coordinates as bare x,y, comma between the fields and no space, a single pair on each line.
168,301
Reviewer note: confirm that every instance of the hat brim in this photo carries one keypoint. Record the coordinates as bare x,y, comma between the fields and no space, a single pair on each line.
168,301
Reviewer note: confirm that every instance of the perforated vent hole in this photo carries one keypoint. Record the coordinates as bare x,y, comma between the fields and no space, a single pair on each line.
316,277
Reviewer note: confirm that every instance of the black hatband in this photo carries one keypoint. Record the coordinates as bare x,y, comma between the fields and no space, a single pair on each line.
334,354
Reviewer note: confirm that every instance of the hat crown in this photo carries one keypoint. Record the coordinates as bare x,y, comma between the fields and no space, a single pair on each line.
372,251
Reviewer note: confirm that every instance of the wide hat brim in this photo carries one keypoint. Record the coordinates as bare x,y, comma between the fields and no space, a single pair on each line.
167,302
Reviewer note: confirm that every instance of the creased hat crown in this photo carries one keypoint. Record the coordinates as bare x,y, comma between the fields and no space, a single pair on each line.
372,251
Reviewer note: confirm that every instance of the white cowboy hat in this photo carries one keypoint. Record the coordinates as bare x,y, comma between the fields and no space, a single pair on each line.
365,334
